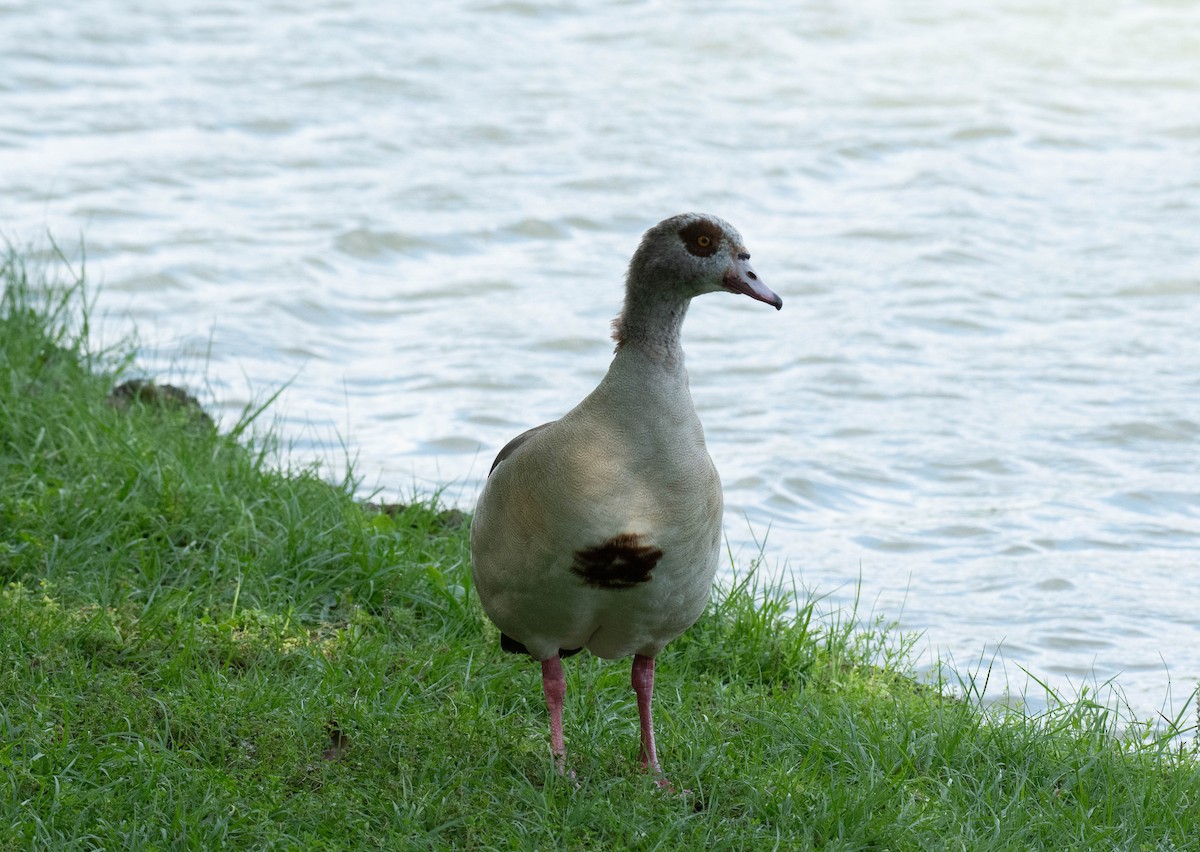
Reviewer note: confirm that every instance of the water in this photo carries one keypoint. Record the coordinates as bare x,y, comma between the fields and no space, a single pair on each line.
979,411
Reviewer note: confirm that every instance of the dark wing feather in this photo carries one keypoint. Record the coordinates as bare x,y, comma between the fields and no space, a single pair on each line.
511,447
512,646
507,643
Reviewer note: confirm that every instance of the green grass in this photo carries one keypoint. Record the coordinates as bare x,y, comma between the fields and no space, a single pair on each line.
202,646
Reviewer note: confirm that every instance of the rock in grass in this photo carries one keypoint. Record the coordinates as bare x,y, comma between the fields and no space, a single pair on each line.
162,397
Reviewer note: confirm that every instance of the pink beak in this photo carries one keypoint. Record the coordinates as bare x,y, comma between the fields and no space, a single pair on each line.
741,278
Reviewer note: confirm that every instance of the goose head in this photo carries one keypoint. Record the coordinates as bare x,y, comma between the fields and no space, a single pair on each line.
680,258
692,254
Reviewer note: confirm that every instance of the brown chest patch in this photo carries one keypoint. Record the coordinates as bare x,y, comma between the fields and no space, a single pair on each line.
622,562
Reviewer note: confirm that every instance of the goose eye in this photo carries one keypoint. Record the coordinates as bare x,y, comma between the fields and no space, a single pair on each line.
700,238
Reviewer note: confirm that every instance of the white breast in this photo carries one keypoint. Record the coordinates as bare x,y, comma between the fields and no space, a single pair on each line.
603,529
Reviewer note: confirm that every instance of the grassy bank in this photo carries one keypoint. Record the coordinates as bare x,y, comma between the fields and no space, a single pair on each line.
201,646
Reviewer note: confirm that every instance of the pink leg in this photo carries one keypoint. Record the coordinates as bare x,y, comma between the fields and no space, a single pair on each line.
554,684
643,685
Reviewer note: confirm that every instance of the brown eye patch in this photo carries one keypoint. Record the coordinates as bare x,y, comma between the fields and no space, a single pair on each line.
701,238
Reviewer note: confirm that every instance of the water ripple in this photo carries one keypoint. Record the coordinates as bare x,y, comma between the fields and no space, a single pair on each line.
980,408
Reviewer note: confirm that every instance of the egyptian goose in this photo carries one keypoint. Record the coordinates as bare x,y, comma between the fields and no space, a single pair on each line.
601,530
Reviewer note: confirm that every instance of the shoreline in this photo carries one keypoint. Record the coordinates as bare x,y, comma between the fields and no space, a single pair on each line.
209,646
